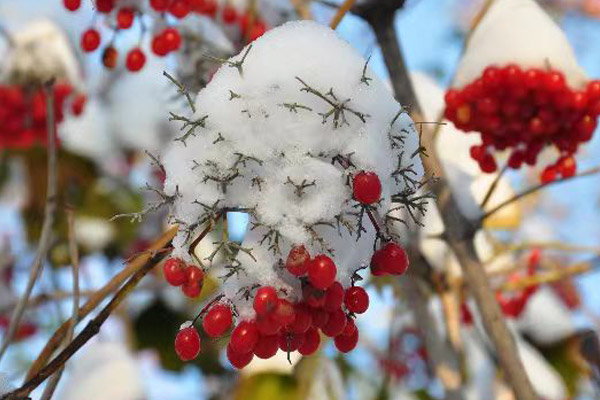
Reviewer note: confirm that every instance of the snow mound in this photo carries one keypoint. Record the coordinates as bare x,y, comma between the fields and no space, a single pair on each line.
269,130
518,32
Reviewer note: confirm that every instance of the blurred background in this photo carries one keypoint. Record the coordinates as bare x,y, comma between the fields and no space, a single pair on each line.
110,117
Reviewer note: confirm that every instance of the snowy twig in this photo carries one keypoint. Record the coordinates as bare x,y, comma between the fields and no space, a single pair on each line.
188,124
589,172
182,90
239,65
138,216
46,234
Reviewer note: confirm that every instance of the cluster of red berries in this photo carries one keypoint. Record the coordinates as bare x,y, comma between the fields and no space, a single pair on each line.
23,113
168,39
291,326
189,277
525,111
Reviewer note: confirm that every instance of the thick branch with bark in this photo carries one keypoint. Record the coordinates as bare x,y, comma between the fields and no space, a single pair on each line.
459,230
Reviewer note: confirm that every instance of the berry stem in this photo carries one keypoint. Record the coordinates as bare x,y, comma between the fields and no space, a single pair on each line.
206,307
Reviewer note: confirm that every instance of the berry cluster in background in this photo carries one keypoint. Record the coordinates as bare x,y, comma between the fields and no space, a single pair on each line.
165,37
23,113
525,111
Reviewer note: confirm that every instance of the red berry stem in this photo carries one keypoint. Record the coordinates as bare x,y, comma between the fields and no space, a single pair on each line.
206,307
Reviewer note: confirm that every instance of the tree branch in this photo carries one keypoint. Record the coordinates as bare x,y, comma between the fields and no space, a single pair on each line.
459,230
46,233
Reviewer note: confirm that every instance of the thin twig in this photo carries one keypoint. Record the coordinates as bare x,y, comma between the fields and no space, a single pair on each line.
91,329
93,302
74,255
46,234
589,172
493,187
341,12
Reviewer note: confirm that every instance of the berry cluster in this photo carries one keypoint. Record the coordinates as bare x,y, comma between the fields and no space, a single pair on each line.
525,111
23,113
189,277
281,324
164,40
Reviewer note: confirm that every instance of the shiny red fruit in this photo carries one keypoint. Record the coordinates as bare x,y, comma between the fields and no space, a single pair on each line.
266,347
322,272
78,104
302,320
72,5
289,342
90,40
335,324
159,5
238,360
244,337
567,166
187,344
549,174
334,297
314,297
159,46
366,187
135,60
312,339
109,57
298,260
105,6
284,313
356,300
265,300
179,8
217,320
346,343
390,259
125,18
229,14
174,271
172,39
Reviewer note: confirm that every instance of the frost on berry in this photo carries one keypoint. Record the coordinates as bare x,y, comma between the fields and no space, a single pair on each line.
279,133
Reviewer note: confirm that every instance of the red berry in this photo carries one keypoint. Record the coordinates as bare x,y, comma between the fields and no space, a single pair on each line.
533,78
244,337
174,271
320,318
267,325
289,342
218,320
284,313
187,343
135,60
229,14
265,300
159,46
90,40
72,5
346,343
335,324
366,187
312,339
266,347
192,289
125,18
78,104
554,81
208,8
452,98
258,29
159,5
516,159
194,281
350,327
548,175
487,164
356,300
334,297
179,8
313,296
109,57
390,259
104,6
172,39
567,166
302,320
238,360
322,272
298,260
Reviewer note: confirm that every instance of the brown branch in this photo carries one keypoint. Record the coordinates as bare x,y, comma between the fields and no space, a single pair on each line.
134,266
74,255
46,233
341,12
459,230
589,172
493,187
91,329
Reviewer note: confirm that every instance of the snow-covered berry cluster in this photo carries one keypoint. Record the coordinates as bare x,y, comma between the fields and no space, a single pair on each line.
520,87
525,111
298,133
23,113
120,15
